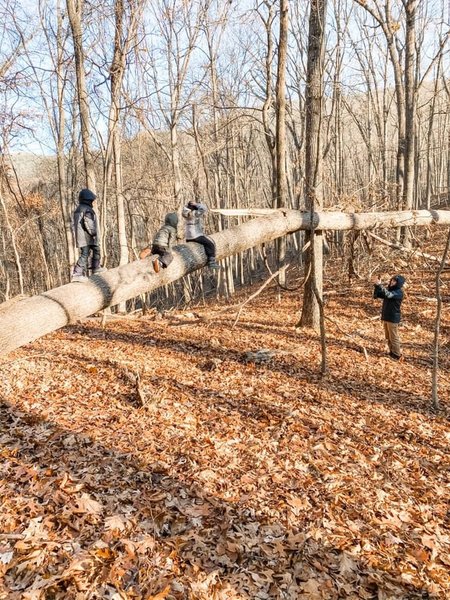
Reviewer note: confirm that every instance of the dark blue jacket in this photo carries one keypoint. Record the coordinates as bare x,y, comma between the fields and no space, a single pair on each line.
392,299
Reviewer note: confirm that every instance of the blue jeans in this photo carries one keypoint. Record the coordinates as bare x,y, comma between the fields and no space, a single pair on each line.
83,261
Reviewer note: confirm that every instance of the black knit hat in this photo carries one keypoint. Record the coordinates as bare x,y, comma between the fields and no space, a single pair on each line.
86,196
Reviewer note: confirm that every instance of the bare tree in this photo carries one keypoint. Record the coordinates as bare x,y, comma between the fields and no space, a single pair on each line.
124,38
179,25
437,325
281,153
75,11
53,97
12,46
410,109
310,316
390,27
267,107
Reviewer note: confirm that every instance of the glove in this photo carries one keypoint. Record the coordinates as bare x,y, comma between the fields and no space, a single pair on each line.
144,253
192,205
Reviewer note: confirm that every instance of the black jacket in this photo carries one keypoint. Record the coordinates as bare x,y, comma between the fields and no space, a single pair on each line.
85,225
392,299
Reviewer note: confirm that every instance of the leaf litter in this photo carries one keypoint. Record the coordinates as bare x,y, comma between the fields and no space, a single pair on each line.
155,461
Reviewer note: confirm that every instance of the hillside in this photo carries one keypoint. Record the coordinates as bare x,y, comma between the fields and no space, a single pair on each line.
31,168
174,457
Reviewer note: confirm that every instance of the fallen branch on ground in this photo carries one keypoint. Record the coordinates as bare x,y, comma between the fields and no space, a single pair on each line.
255,294
410,251
363,348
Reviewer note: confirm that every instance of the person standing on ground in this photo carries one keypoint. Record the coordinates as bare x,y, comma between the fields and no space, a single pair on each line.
193,214
392,295
86,230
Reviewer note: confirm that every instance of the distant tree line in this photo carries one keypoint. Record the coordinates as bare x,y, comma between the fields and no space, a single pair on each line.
151,103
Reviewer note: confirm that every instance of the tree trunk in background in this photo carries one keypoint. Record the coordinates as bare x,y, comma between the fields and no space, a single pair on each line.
282,191
432,114
220,200
34,317
268,102
117,72
74,10
389,27
5,271
122,43
437,325
121,218
64,199
410,112
12,236
310,316
339,168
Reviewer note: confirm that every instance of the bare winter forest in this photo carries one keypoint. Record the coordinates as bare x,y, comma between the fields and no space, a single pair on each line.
238,434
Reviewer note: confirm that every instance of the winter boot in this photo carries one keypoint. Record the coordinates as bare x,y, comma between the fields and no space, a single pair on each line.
156,265
96,268
78,274
212,264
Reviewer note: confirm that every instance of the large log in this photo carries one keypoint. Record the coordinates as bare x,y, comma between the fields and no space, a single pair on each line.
31,318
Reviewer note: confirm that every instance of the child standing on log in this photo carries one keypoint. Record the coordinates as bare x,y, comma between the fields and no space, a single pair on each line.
86,231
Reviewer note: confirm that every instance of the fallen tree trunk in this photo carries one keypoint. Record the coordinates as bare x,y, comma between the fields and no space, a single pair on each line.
31,318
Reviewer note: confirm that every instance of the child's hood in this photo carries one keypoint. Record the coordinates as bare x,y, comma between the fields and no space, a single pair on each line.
86,196
171,219
400,281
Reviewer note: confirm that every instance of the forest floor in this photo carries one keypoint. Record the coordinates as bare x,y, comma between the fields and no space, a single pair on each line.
181,458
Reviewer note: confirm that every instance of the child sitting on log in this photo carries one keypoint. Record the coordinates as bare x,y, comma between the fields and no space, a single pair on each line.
162,243
193,213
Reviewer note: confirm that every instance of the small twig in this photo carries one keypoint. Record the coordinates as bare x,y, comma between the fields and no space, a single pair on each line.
258,291
139,391
283,287
349,336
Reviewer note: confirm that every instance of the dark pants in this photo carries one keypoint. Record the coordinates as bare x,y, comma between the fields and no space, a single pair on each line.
165,257
208,245
83,261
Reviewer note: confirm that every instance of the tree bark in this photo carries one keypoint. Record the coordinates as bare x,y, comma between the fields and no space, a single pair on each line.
60,134
281,153
74,11
437,327
383,17
313,161
410,112
34,317
268,100
12,235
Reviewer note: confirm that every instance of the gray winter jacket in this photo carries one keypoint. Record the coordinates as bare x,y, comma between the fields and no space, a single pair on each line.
166,236
85,225
194,221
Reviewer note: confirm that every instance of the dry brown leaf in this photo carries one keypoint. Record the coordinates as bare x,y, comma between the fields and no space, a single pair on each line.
161,595
86,504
